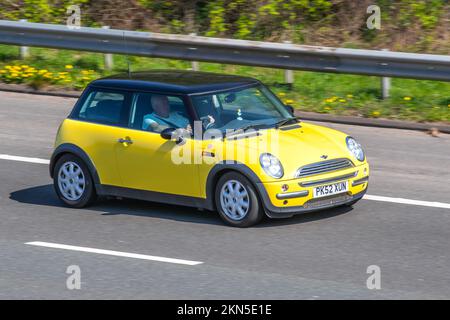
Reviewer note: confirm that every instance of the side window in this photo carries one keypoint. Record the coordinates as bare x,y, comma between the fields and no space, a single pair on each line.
104,107
155,112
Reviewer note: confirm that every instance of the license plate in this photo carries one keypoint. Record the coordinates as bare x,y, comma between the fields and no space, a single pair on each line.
330,189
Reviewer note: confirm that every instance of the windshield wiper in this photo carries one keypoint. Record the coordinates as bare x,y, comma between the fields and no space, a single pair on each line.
244,128
286,121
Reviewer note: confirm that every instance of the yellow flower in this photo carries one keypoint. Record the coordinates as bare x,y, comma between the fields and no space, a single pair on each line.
350,96
407,98
24,66
281,94
288,101
342,100
448,105
85,78
327,108
376,114
42,71
4,71
85,72
14,75
69,66
332,99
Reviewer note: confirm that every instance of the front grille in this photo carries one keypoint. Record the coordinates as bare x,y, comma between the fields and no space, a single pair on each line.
327,202
324,167
306,184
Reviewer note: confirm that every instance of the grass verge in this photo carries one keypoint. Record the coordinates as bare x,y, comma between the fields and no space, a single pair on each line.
416,100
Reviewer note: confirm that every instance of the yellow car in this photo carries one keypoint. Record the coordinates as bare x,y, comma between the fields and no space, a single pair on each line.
217,142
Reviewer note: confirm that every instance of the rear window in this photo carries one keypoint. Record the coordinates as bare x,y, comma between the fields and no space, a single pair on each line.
104,107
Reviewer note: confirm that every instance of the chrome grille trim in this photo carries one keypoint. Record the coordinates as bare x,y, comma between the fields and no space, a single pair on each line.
324,167
360,181
324,181
290,195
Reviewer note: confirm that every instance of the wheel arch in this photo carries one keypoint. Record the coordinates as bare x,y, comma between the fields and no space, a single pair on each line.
222,168
69,148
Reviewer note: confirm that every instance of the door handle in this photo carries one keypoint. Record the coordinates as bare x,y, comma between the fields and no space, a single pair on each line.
128,141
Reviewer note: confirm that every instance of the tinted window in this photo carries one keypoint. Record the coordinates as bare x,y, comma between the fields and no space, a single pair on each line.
103,107
233,109
252,100
155,112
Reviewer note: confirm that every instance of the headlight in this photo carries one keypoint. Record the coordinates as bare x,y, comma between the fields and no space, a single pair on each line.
355,148
271,165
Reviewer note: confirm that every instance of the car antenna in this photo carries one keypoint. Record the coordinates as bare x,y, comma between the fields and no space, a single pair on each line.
126,56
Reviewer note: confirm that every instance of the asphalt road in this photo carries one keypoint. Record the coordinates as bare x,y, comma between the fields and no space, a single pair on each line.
321,255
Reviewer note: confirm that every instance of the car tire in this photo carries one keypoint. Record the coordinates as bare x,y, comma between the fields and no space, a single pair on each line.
73,182
237,201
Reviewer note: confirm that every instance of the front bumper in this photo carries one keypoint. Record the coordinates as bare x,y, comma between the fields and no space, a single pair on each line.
298,198
325,203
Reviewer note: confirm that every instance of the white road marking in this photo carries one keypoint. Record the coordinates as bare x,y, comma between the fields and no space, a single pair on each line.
408,201
366,197
113,253
24,159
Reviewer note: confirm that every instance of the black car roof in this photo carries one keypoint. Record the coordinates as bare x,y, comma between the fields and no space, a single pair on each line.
171,81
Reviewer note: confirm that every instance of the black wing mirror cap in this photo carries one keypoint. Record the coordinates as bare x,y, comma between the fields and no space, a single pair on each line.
168,133
174,134
289,108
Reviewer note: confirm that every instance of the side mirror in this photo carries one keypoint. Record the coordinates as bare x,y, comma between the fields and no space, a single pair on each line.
168,133
173,134
289,108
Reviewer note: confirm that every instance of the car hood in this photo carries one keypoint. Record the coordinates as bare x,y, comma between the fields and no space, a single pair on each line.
295,146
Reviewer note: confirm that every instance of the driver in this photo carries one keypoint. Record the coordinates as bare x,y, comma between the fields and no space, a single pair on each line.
162,117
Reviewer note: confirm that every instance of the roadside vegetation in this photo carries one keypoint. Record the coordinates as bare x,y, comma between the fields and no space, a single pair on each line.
406,25
413,26
416,100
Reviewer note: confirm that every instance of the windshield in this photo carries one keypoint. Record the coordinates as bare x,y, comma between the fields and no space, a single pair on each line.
255,107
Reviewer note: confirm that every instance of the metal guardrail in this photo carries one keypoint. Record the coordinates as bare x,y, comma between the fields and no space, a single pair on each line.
242,52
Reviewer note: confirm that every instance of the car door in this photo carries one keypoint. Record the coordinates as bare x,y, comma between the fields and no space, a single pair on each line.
149,162
96,123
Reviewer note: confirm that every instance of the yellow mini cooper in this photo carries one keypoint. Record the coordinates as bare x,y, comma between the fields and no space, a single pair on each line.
210,141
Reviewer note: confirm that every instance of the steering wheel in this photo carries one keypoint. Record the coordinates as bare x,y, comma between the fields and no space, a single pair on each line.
206,121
